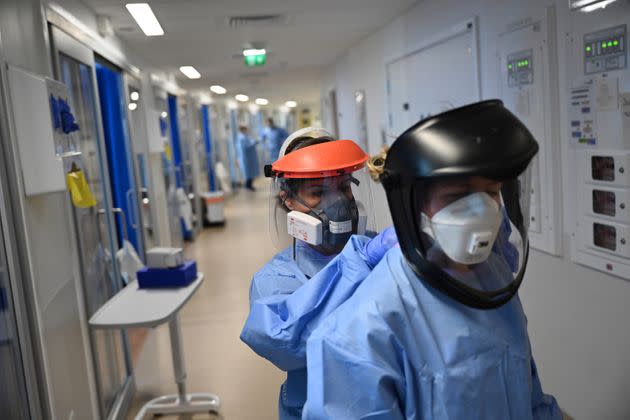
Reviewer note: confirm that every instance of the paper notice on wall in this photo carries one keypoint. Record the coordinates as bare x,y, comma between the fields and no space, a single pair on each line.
624,101
582,116
521,103
607,94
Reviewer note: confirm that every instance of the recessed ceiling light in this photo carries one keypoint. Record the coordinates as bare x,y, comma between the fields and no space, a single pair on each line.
145,18
262,101
254,51
290,104
190,72
241,98
133,106
219,90
595,5
134,96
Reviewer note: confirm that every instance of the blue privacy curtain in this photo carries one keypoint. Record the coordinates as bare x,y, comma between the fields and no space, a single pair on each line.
117,142
207,139
175,141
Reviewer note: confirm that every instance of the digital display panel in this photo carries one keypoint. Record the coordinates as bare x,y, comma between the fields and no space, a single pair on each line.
605,50
520,67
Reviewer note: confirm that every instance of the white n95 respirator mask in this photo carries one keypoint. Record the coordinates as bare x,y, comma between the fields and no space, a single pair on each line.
466,229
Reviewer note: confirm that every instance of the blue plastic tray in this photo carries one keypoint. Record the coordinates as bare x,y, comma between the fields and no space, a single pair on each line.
152,278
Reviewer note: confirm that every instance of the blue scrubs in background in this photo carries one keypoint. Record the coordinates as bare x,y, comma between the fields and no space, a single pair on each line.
273,138
247,156
400,349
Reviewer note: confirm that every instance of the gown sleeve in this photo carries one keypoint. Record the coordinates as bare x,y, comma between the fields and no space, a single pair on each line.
279,325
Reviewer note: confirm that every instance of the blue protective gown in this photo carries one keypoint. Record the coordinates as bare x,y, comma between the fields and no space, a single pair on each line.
400,349
274,137
247,156
285,308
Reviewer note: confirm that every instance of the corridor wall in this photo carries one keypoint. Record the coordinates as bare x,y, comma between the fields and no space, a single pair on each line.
577,316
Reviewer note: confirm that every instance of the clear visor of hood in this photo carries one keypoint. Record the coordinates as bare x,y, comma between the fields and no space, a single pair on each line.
473,230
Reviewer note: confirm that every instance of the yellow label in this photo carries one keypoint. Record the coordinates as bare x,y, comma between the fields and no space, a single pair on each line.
168,151
79,189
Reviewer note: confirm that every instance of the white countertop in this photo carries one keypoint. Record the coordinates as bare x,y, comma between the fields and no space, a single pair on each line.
136,307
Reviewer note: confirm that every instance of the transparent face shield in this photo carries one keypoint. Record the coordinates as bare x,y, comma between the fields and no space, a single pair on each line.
322,212
473,234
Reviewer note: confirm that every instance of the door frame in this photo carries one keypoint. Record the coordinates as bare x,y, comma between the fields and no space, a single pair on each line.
193,116
61,41
26,320
57,16
131,81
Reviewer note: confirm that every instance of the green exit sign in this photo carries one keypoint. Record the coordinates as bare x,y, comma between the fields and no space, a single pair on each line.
255,60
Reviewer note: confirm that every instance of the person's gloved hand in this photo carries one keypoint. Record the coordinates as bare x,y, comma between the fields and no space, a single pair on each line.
379,245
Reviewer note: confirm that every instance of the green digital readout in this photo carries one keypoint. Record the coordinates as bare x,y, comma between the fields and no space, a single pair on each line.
606,44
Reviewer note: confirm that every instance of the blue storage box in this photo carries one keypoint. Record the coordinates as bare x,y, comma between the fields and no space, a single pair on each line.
153,278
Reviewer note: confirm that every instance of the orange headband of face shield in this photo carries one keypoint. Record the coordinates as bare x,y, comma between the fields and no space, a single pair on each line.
322,160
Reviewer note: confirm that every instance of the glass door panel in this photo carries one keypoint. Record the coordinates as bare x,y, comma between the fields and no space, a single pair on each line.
95,235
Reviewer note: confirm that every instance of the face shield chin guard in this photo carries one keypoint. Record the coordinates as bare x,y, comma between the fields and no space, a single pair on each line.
322,208
485,285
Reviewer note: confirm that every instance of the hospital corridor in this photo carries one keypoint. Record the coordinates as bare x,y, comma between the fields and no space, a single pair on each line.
211,323
314,209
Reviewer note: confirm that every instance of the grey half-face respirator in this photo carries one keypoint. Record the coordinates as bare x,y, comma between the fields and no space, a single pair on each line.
330,223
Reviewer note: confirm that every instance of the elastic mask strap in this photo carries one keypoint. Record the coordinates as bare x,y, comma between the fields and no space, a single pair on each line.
318,212
287,195
425,224
295,257
296,198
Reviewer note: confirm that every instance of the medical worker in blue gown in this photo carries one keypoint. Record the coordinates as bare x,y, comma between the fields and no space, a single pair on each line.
273,138
437,330
323,180
247,157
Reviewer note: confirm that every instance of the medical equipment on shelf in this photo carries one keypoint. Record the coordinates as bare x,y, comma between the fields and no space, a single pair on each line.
165,257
